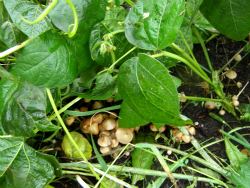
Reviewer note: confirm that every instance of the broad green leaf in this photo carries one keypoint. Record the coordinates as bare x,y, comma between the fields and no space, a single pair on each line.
103,89
129,118
3,13
30,11
147,87
70,150
235,156
22,166
47,61
9,34
230,17
153,25
241,178
23,109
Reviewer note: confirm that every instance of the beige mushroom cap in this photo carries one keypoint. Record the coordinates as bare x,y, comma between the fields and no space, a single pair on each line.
124,136
108,124
104,141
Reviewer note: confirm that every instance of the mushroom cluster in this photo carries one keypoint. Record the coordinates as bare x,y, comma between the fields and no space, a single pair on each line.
179,136
109,134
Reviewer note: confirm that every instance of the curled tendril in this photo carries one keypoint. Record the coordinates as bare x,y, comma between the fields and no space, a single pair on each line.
43,15
74,26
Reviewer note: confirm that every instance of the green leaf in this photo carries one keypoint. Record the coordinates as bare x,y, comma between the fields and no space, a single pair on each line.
129,117
9,34
104,88
147,87
23,109
89,12
30,11
235,156
241,178
138,153
48,61
70,150
230,17
22,166
153,25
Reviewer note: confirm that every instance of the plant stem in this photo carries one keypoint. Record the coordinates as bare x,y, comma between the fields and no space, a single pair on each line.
246,145
201,150
202,99
133,170
196,32
14,49
201,73
52,102
43,15
76,21
130,2
51,117
92,112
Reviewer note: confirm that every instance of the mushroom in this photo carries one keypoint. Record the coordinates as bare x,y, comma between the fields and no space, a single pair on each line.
210,105
89,127
114,143
186,138
105,150
70,120
98,118
108,124
153,128
191,130
83,109
231,74
104,141
124,135
97,105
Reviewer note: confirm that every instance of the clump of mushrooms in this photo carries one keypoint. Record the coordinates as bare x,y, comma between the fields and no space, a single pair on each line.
109,134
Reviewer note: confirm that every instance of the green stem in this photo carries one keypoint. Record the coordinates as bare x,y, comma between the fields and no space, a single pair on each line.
65,108
202,99
201,73
75,25
121,58
52,102
246,145
43,15
92,112
201,150
196,32
14,49
146,172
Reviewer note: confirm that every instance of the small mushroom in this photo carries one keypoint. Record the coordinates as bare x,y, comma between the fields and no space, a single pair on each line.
153,128
108,124
222,112
105,150
104,141
124,135
231,74
89,127
114,143
70,120
191,131
98,118
97,105
83,109
237,57
210,105
105,133
186,138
